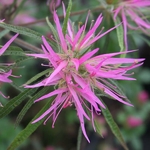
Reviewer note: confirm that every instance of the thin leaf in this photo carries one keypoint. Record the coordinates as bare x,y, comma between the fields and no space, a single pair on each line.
113,126
118,89
37,76
13,50
65,23
29,104
98,127
23,135
3,33
120,34
24,31
18,62
54,32
13,103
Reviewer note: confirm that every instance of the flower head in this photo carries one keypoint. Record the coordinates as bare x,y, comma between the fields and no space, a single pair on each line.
78,74
133,121
133,10
4,76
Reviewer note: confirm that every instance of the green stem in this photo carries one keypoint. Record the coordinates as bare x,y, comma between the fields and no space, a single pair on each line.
62,16
79,139
18,9
25,44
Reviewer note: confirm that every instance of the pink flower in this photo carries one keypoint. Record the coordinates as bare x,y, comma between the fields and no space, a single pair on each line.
134,121
53,4
3,74
143,96
133,10
4,2
22,18
77,73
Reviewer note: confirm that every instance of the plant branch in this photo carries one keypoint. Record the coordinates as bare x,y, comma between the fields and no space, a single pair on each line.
62,16
79,138
25,44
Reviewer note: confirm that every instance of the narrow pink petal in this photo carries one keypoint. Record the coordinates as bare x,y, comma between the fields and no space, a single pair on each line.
82,124
90,33
88,55
3,49
76,63
138,20
77,37
90,100
49,48
114,61
55,92
46,112
116,12
60,33
77,101
43,56
56,71
98,37
113,95
80,81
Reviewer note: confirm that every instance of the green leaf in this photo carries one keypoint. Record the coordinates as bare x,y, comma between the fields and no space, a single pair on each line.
29,104
30,128
13,103
113,126
98,127
54,32
120,35
3,33
21,30
38,76
65,23
13,50
24,31
18,61
117,89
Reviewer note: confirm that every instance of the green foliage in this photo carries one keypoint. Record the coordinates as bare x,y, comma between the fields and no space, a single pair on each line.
7,132
65,23
29,104
37,76
13,103
3,33
113,126
24,134
120,35
24,31
14,50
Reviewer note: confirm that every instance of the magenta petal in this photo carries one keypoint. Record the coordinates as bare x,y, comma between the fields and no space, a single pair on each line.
3,49
56,71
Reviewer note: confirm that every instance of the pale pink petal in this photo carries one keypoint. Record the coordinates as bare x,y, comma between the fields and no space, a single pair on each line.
3,49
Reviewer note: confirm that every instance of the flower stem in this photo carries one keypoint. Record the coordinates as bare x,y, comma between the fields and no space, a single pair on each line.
79,139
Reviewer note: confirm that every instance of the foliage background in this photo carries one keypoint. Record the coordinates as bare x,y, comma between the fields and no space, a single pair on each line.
64,135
